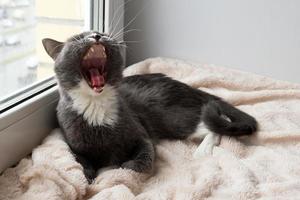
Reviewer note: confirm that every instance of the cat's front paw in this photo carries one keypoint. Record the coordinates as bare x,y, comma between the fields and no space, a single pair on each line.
138,166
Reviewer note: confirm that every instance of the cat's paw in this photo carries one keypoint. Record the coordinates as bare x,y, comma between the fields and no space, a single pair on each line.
207,145
137,165
203,150
90,174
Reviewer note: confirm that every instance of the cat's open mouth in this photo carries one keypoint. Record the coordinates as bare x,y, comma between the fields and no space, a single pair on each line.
93,67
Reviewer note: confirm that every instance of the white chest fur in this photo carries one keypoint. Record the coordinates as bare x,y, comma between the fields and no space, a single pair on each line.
96,108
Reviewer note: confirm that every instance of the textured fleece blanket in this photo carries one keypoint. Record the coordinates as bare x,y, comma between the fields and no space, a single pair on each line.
263,166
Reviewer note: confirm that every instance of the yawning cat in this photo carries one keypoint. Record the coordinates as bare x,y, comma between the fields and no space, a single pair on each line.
110,120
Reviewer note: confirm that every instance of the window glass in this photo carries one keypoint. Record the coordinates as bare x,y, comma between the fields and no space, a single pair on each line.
23,24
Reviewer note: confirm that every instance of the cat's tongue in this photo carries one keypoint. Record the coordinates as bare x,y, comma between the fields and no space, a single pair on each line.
97,79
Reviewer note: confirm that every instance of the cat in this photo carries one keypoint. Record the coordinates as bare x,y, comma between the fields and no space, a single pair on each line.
111,120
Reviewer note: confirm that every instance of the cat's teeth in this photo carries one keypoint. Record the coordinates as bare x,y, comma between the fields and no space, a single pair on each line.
92,49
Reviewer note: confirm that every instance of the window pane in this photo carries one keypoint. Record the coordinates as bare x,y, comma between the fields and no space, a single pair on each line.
23,24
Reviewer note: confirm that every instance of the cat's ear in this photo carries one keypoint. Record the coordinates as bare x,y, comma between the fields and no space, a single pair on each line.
52,47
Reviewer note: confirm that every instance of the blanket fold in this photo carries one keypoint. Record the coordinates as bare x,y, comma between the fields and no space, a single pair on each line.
263,166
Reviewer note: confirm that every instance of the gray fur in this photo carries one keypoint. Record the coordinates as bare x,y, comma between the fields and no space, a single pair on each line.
149,107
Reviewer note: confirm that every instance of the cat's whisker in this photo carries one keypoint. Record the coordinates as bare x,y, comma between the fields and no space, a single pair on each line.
77,40
77,48
125,32
113,19
132,20
120,45
114,16
126,42
116,25
84,42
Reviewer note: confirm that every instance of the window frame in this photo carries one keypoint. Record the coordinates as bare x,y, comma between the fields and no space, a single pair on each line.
19,96
25,122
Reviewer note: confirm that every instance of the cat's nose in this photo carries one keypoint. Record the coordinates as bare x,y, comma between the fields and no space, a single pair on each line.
95,36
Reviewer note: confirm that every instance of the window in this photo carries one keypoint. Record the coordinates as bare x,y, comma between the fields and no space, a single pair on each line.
28,95
25,68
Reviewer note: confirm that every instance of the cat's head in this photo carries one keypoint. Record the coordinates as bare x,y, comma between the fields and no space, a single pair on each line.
91,59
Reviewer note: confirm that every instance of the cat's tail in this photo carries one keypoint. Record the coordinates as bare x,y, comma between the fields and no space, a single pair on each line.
224,119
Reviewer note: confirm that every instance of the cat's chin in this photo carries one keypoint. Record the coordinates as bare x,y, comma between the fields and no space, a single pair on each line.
98,89
95,89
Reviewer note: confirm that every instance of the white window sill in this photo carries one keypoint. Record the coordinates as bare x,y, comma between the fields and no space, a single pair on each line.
24,126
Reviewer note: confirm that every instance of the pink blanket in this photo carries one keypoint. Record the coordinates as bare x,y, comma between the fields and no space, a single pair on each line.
263,166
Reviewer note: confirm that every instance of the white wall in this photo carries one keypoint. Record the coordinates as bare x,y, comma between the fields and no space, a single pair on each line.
261,36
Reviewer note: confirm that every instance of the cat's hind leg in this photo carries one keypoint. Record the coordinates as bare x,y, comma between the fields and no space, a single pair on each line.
207,145
210,140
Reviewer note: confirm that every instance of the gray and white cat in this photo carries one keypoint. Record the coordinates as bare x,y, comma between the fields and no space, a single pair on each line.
110,120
